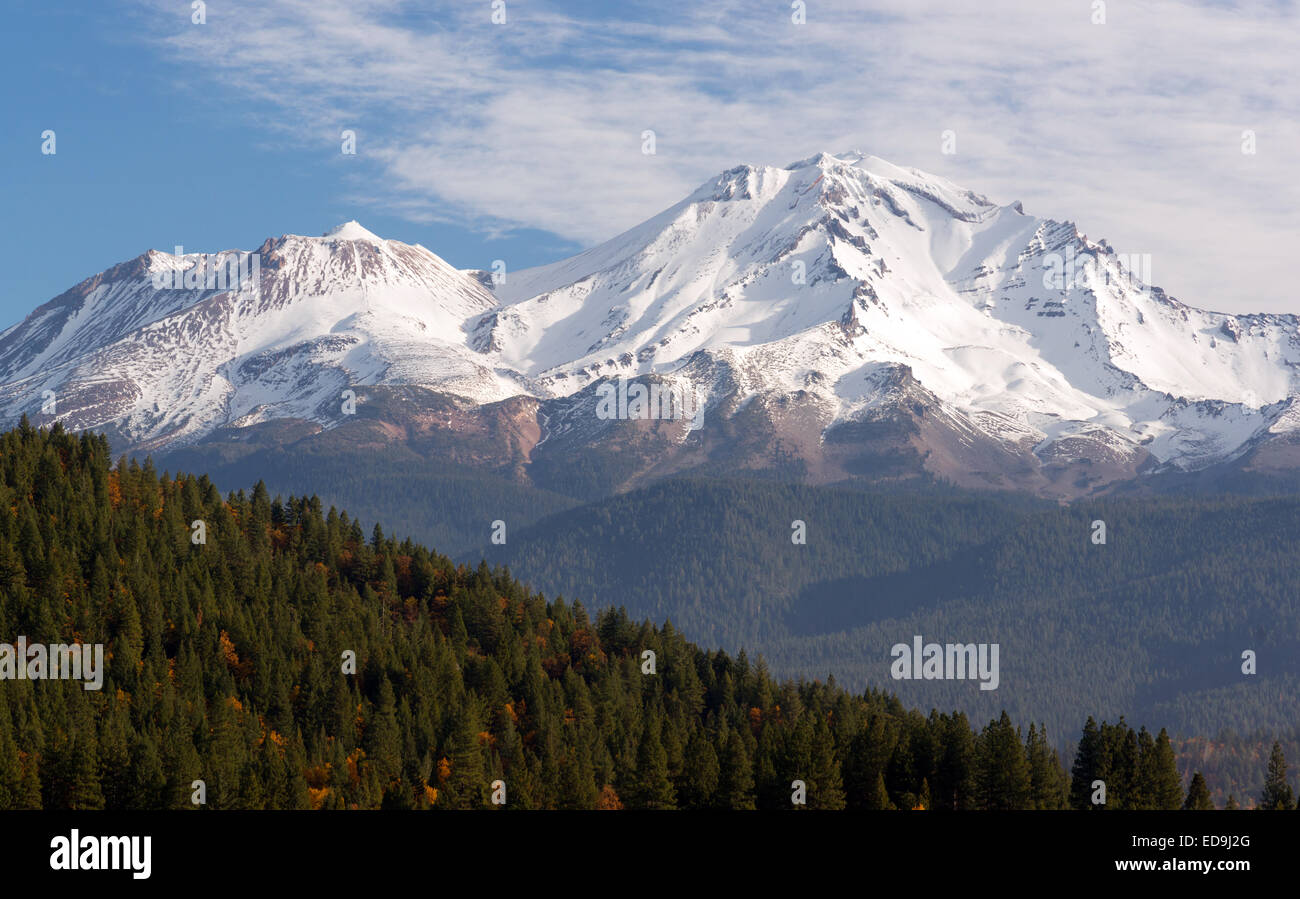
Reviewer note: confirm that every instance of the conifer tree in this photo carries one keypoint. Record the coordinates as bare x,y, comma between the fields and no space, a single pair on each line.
467,786
1146,774
880,800
736,777
698,784
577,782
1277,795
826,786
1048,788
1198,795
1002,774
1087,768
382,739
954,784
1167,784
649,786
80,787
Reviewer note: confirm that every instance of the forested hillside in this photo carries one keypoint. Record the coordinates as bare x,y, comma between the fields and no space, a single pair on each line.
227,663
1151,624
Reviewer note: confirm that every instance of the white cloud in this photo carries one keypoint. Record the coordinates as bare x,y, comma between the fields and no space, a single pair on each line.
1132,128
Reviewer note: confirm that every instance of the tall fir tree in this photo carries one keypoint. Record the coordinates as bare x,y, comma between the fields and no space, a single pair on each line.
648,784
1002,773
1277,795
1198,795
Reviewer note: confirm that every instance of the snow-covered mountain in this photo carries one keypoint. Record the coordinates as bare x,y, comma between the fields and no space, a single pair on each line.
841,313
165,348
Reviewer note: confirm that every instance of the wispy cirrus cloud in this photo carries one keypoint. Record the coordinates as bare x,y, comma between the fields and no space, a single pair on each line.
1132,128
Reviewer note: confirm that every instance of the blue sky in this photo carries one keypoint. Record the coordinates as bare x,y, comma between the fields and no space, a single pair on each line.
522,141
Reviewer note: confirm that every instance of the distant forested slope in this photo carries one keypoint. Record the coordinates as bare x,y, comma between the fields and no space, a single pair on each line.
1151,625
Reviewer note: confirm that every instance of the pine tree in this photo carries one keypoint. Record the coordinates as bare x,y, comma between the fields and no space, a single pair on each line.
826,786
1002,773
81,772
1087,768
1048,788
924,801
954,785
383,736
1167,784
649,786
1143,794
1277,795
698,784
880,800
467,787
1124,749
1198,795
736,777
577,780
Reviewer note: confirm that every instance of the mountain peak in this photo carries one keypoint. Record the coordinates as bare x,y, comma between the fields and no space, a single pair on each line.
352,230
844,281
957,200
824,160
